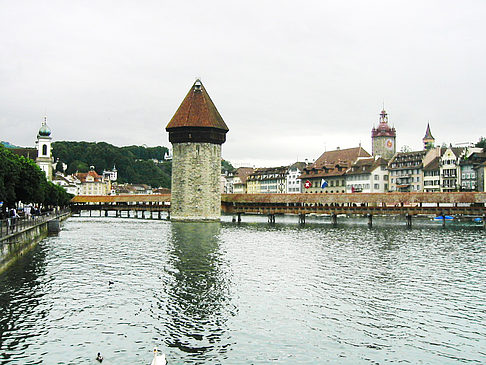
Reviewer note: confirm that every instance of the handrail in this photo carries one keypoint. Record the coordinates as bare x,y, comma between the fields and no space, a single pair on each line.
11,226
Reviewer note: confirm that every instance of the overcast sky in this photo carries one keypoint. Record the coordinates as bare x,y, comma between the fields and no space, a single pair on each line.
291,79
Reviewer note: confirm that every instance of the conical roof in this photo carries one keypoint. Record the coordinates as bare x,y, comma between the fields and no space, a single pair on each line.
428,135
197,110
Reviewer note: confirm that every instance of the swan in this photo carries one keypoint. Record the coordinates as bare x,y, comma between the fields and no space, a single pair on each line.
158,359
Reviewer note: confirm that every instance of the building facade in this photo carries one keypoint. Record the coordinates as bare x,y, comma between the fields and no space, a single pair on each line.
293,181
267,180
405,171
92,183
368,175
327,173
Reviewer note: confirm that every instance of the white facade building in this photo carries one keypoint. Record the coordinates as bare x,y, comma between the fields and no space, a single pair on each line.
294,184
368,175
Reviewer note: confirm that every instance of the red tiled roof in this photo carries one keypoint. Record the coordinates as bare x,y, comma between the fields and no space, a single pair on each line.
197,110
83,175
345,156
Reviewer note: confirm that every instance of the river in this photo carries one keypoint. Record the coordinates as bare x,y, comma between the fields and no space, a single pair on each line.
249,293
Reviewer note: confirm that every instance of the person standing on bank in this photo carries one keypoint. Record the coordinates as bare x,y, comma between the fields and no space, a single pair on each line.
13,218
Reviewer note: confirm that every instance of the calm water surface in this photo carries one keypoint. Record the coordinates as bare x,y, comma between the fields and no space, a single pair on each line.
252,293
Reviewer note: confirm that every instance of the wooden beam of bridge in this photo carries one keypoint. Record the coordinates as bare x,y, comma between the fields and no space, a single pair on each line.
463,203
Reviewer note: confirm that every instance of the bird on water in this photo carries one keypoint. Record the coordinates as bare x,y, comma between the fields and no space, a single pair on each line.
99,357
158,359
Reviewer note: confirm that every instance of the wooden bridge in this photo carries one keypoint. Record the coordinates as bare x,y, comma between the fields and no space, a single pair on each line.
463,204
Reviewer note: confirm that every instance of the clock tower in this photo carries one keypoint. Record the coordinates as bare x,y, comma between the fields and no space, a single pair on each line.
383,138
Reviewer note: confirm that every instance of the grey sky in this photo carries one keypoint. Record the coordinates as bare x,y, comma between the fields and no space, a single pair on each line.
290,79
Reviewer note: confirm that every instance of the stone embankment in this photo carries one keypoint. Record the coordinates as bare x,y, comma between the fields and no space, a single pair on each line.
19,237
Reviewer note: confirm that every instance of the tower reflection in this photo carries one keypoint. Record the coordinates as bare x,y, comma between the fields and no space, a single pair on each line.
198,290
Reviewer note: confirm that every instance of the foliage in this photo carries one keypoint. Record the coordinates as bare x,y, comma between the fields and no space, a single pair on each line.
22,180
135,164
226,166
481,143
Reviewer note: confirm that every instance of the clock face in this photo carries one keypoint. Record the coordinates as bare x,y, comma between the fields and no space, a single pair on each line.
389,143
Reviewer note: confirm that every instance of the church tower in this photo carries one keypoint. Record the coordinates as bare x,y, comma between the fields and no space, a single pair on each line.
196,132
383,138
428,139
44,155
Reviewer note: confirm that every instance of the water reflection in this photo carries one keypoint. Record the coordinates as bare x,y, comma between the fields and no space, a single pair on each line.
20,298
198,290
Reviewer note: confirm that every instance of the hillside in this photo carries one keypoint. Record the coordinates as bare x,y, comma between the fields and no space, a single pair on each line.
134,163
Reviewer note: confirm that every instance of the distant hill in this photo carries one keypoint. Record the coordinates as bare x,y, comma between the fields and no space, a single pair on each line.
135,164
8,145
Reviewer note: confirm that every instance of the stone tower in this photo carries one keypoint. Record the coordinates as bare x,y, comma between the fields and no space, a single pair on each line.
196,132
383,138
428,139
44,156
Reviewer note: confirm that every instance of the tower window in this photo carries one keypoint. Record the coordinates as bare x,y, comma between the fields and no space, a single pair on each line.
44,150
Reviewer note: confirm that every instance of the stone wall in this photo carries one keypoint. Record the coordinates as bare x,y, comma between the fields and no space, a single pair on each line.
14,246
196,170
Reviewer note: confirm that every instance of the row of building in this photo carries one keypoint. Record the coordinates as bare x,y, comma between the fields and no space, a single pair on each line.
433,169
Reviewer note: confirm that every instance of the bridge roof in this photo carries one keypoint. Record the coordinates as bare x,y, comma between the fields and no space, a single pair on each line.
129,198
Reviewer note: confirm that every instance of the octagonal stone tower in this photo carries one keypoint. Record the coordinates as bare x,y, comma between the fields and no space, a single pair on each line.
196,132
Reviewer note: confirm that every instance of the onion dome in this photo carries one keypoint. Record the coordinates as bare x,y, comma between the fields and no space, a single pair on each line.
44,130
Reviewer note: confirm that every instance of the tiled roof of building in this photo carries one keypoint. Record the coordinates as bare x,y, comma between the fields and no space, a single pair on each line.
244,172
432,165
27,152
197,110
83,175
264,172
341,156
366,165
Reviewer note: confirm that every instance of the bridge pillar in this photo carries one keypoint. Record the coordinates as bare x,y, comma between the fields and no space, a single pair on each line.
168,215
408,217
116,213
106,213
334,219
370,220
159,216
90,212
302,218
239,217
143,214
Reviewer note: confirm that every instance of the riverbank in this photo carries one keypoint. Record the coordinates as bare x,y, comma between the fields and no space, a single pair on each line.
14,243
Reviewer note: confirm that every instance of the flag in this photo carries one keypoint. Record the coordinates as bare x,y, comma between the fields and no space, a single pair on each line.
352,188
323,183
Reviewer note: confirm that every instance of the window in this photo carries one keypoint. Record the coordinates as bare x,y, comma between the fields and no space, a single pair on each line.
44,150
377,177
377,186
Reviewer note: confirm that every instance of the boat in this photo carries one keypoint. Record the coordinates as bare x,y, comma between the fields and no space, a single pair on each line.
447,218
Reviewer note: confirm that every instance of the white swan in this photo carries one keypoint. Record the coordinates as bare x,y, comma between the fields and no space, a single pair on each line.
158,359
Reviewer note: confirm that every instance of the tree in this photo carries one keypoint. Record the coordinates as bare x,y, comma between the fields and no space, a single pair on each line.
481,143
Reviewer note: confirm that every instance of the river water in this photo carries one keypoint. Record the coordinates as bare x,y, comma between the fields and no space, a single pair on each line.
252,293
